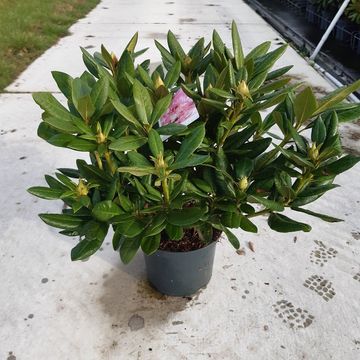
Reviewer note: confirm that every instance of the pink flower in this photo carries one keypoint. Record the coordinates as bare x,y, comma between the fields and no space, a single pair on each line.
182,110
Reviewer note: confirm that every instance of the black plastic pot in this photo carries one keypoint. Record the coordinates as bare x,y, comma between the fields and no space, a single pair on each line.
180,273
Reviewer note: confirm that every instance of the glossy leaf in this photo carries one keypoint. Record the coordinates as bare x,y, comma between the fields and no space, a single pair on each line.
160,108
238,51
282,223
305,105
105,210
191,143
67,222
45,192
143,102
129,248
269,204
326,218
150,244
185,217
127,143
155,143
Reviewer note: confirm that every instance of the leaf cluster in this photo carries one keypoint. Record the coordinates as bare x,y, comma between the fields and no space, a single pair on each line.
261,144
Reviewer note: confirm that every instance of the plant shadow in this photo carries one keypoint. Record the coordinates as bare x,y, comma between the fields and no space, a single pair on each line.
126,293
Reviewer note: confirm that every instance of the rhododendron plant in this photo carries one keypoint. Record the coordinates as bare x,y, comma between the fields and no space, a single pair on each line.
209,140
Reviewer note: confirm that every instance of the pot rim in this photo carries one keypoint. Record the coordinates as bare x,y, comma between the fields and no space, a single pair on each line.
213,243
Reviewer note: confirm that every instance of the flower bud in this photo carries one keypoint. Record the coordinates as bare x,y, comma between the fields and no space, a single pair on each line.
187,61
243,89
82,189
101,138
313,152
243,183
114,59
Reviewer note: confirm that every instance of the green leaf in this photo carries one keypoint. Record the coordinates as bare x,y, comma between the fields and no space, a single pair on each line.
64,82
238,51
150,244
131,227
318,133
145,77
305,105
266,62
239,138
278,72
160,108
82,145
90,62
117,240
81,98
155,143
172,75
137,170
284,224
352,113
299,140
61,221
84,249
218,43
185,217
59,124
232,238
99,94
91,172
54,184
191,143
129,248
105,210
127,143
247,225
339,166
156,225
132,43
52,106
95,233
296,158
174,232
317,190
171,129
125,113
137,159
222,93
45,192
191,161
143,102
269,204
73,173
243,167
259,50
320,216
166,55
231,219
174,46
336,97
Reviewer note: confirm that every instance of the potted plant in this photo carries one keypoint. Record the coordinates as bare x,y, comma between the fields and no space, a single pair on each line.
205,143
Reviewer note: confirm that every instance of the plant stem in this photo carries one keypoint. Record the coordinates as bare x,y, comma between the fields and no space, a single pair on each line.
98,160
110,162
165,188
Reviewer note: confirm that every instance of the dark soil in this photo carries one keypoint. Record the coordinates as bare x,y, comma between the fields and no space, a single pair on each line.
190,241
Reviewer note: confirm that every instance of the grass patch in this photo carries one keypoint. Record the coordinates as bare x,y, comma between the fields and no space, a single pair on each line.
29,27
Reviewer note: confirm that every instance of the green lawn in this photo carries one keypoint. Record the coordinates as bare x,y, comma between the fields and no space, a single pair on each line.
29,27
